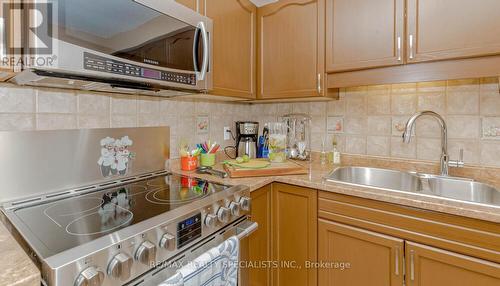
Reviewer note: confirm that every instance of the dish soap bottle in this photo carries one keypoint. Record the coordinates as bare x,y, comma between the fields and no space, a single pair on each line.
335,155
322,156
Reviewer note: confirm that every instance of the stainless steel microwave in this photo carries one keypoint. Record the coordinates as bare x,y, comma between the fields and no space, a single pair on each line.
138,46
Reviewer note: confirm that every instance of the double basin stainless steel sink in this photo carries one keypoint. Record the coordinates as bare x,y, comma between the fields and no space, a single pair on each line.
460,189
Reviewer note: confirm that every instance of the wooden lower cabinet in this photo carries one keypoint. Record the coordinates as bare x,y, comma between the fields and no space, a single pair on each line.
286,238
429,266
357,257
260,241
294,234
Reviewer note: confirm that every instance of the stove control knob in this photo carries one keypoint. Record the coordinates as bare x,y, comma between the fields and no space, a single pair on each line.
119,267
167,241
235,208
210,220
90,277
146,253
223,214
245,203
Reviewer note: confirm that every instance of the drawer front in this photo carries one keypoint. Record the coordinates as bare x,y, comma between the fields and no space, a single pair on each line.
459,234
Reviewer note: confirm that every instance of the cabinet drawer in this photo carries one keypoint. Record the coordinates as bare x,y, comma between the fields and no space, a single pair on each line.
459,234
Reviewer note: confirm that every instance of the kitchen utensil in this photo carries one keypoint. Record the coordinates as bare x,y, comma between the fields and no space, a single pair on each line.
298,136
210,171
207,160
189,163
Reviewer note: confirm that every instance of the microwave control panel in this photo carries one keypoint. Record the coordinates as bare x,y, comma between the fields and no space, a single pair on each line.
97,63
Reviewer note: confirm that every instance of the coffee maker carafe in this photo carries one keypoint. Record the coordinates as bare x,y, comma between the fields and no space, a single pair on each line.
247,134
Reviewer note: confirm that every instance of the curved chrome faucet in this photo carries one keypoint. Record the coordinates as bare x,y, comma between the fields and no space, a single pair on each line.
444,136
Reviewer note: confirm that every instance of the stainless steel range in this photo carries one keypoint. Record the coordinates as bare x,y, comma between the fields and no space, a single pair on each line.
125,226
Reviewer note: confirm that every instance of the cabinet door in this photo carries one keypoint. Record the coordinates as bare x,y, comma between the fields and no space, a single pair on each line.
363,34
192,4
291,49
234,47
428,266
260,240
294,234
448,29
374,259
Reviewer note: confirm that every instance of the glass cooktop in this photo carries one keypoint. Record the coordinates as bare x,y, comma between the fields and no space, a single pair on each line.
67,223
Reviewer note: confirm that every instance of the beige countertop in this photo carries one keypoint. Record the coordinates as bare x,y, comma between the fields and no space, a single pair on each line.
317,172
18,269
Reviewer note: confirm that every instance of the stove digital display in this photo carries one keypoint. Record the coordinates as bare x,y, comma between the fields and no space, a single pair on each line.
188,230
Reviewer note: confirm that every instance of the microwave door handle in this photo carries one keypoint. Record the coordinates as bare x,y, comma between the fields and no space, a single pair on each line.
195,50
204,40
3,39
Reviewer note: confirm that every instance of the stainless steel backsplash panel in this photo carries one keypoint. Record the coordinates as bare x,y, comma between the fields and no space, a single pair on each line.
39,162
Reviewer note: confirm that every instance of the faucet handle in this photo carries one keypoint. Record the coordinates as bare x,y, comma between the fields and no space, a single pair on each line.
460,162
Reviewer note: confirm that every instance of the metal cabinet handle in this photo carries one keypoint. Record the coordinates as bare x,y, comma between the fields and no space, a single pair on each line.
204,36
3,39
399,49
411,46
246,228
396,256
412,265
319,83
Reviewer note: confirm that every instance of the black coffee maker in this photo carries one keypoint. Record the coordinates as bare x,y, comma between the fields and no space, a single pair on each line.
247,136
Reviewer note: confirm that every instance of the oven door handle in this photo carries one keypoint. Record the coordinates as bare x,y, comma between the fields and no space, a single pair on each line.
204,40
245,229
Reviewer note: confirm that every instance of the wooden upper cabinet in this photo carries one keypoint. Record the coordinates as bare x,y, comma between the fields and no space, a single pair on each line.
364,34
294,233
375,259
428,266
291,49
234,44
192,4
449,29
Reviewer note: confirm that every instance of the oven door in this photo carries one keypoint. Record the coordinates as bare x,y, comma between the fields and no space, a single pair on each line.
242,228
151,41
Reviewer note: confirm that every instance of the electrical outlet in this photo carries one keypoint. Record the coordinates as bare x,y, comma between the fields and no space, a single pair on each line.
227,133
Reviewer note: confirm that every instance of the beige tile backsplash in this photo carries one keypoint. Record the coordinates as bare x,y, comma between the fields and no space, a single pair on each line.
43,109
374,116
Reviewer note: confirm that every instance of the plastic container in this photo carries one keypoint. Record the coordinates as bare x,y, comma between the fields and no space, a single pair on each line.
189,163
207,160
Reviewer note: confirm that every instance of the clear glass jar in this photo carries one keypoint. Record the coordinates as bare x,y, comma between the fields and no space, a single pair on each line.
277,141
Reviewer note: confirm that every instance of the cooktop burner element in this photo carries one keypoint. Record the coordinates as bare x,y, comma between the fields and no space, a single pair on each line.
72,221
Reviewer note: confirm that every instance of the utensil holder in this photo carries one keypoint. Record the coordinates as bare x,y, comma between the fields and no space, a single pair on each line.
207,160
189,163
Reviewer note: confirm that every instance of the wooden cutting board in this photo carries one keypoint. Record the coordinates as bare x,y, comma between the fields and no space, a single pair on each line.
273,169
